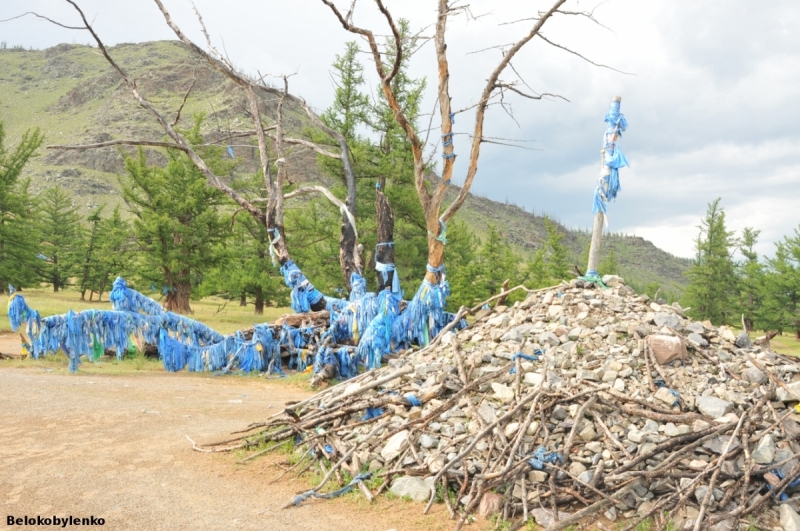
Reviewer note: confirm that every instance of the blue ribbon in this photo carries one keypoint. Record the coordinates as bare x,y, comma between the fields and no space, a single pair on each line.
540,457
519,355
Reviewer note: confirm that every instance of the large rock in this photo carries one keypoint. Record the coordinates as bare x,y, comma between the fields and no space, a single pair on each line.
764,453
491,503
613,281
544,517
667,348
667,319
414,487
393,445
713,407
754,375
790,520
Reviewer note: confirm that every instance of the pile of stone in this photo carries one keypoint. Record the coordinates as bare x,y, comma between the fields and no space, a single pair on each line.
578,404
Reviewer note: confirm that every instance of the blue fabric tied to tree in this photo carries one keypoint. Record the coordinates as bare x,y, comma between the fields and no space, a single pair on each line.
372,413
541,456
345,362
300,498
358,286
608,185
424,316
126,299
385,269
304,294
519,355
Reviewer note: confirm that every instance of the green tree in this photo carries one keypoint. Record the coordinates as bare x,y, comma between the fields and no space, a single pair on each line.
535,274
350,106
750,273
61,237
712,277
18,239
781,306
609,264
462,267
555,252
177,226
115,255
90,251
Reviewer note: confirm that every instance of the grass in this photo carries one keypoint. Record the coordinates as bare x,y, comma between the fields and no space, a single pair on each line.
786,344
221,315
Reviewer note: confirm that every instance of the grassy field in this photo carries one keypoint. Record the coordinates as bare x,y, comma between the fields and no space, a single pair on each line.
221,315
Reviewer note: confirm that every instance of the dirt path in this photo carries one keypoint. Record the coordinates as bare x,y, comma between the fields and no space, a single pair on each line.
114,446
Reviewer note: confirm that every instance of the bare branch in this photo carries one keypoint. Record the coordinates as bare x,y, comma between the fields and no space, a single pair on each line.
529,96
185,146
45,18
151,143
481,111
327,193
545,39
185,97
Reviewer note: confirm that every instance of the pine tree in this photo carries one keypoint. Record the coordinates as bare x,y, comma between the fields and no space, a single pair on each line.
90,250
535,275
556,252
781,306
18,239
750,274
116,253
178,228
609,264
712,276
350,106
61,237
463,267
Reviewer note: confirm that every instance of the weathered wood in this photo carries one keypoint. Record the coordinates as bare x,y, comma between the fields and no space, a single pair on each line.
384,253
594,247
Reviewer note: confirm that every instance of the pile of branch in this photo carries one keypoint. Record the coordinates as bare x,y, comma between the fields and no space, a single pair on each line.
559,408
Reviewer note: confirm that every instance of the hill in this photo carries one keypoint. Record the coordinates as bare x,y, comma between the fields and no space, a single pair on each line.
74,96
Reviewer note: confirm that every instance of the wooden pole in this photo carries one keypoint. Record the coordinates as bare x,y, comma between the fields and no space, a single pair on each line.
599,218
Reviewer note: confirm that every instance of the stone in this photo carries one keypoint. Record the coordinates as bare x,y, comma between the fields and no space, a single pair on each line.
636,436
588,434
550,339
666,396
587,375
611,514
537,476
491,503
510,429
719,443
512,335
755,376
555,311
392,448
727,334
613,281
503,392
667,349
713,407
544,517
790,520
533,378
743,340
671,430
700,425
697,340
413,487
669,319
586,476
576,468
427,441
764,453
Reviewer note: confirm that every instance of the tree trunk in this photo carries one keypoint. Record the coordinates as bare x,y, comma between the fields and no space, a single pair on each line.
243,299
178,298
347,251
259,301
384,253
83,295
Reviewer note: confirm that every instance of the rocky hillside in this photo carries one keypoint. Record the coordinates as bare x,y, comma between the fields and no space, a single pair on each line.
74,97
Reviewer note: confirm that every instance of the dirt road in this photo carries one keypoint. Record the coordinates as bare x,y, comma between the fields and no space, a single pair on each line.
114,446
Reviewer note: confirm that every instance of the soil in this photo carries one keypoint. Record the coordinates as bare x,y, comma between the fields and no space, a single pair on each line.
115,447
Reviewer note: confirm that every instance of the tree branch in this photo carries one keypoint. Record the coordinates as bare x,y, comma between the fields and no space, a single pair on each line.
545,39
327,193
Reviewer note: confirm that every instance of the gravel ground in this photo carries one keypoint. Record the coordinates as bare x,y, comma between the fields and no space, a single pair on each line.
114,446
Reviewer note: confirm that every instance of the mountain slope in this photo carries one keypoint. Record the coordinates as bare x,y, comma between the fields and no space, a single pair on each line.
71,93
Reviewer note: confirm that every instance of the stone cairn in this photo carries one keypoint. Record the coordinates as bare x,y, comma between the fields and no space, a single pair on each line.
579,404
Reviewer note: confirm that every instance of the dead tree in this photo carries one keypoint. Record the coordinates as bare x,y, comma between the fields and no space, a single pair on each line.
272,216
432,201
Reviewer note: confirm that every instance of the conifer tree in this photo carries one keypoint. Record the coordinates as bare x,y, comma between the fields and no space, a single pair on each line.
750,274
781,306
556,252
18,239
712,276
61,237
116,252
178,227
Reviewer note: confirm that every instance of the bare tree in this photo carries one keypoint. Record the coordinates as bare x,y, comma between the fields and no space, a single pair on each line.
272,218
432,202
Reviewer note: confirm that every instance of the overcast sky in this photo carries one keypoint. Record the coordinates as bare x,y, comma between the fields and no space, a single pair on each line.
712,101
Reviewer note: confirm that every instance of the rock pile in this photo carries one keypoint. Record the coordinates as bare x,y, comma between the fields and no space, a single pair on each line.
579,402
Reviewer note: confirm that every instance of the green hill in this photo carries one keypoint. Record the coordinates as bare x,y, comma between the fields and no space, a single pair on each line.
74,96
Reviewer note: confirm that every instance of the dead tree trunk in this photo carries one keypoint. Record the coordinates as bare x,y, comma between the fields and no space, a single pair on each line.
384,251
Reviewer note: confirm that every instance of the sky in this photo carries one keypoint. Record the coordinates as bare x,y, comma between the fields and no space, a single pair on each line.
710,90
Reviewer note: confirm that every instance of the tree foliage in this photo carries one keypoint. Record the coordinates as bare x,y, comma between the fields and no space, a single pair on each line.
18,239
61,237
